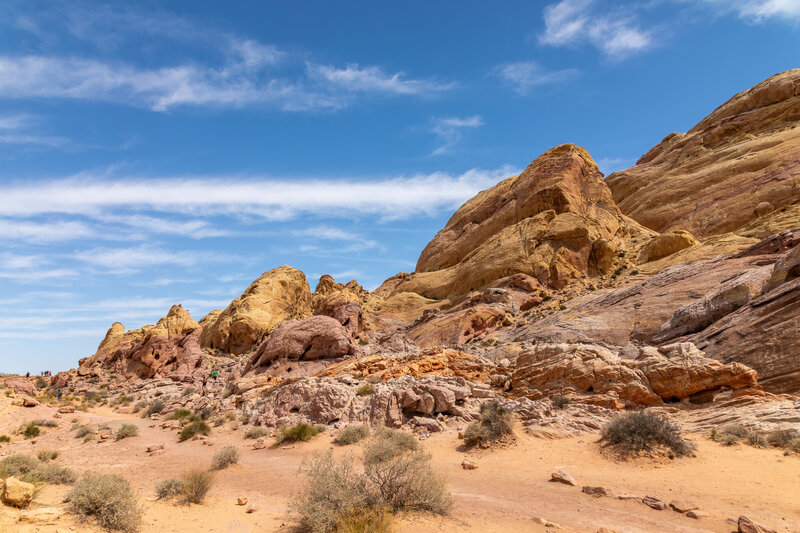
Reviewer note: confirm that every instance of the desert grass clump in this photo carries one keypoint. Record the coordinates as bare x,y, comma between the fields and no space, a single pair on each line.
300,432
18,465
47,455
196,484
788,439
352,434
45,422
256,432
224,458
5,438
125,431
340,496
53,474
107,498
365,390
30,430
84,432
196,426
180,414
169,488
153,408
646,432
138,406
494,423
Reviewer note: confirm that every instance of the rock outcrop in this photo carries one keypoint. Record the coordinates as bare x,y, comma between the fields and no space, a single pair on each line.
737,170
276,295
170,346
597,375
342,302
556,221
21,385
316,337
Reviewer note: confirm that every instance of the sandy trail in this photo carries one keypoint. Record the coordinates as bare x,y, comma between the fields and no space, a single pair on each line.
509,488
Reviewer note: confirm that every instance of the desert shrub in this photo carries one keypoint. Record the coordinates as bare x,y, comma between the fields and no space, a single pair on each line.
494,422
30,430
141,404
735,433
643,431
169,488
52,473
5,438
224,458
126,430
47,455
45,422
197,426
153,408
365,390
196,484
40,383
785,438
256,432
298,432
352,434
188,392
82,432
18,465
338,496
560,401
107,498
180,414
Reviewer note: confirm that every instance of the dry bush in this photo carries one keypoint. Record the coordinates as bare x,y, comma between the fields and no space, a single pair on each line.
352,434
47,455
560,401
197,426
180,414
30,430
18,465
196,484
494,423
153,408
299,432
107,498
365,390
5,438
126,430
788,439
45,422
169,488
81,432
256,433
224,458
645,432
395,476
52,473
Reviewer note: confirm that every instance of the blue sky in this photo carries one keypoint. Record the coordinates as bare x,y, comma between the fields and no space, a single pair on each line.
154,153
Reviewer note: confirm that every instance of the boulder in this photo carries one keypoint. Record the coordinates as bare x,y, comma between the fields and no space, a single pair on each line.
667,244
561,476
654,503
275,296
597,492
682,506
316,337
17,493
746,525
21,385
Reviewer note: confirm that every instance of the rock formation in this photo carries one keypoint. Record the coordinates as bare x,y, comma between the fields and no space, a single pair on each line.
275,296
737,170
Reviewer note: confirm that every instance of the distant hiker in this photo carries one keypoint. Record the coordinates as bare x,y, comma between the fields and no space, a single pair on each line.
59,395
28,374
214,374
204,385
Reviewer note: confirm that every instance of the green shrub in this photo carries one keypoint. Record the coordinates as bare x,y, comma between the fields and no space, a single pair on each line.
643,431
141,404
30,430
785,438
169,488
5,438
256,432
560,401
47,455
494,423
108,499
81,432
227,456
126,430
352,434
196,427
365,390
367,521
299,432
180,414
196,484
46,422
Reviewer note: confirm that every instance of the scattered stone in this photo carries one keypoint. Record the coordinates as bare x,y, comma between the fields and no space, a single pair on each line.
746,525
241,501
682,506
45,516
466,464
250,508
17,493
697,514
29,402
628,497
154,448
56,415
654,503
562,477
259,444
68,409
105,436
545,522
606,530
596,491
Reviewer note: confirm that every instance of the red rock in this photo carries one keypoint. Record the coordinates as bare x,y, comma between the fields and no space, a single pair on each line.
654,503
747,525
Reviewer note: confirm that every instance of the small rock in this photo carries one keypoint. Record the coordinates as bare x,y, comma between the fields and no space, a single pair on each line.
29,402
47,515
154,447
654,503
56,415
250,508
259,444
66,409
34,441
105,436
562,477
16,493
697,514
545,522
681,506
628,497
466,464
596,491
241,501
746,525
606,530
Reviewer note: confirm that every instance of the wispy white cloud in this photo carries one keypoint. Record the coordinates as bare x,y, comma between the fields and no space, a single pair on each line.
18,129
270,199
525,76
759,10
134,259
373,79
615,32
30,268
449,130
45,232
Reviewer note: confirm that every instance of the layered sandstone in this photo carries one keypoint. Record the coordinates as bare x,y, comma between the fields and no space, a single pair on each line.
276,295
737,170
